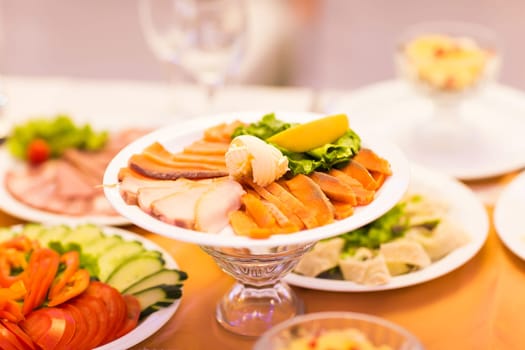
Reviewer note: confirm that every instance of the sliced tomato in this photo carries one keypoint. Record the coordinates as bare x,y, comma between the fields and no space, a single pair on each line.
75,285
94,311
79,340
36,324
49,328
132,315
20,334
8,341
115,306
72,262
70,329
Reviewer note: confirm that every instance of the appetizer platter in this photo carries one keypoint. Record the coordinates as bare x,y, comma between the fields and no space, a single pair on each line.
51,170
508,213
127,286
173,152
436,228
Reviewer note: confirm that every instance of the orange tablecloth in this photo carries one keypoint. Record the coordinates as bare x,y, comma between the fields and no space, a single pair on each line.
480,305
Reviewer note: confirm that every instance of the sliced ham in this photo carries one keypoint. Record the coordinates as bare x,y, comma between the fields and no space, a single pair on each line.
71,182
214,206
21,182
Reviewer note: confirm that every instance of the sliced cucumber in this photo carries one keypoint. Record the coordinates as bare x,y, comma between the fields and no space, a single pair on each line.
152,299
164,276
101,246
111,259
133,269
6,234
84,234
32,230
53,233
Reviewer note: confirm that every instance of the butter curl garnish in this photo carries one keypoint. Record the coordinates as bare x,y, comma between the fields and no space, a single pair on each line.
249,156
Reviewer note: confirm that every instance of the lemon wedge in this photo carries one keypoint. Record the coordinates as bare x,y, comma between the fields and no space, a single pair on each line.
304,137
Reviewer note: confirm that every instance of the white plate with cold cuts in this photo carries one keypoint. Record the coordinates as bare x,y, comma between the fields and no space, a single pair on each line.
175,137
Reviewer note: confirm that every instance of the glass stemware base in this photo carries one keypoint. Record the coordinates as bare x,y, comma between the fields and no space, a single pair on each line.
258,300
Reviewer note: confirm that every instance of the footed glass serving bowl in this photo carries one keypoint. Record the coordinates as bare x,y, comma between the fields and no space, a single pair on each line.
259,299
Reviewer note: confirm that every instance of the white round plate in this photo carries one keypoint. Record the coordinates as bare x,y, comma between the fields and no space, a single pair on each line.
465,209
156,320
14,207
175,137
508,215
393,111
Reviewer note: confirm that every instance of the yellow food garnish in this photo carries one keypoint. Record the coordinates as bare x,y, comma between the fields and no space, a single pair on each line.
249,156
305,137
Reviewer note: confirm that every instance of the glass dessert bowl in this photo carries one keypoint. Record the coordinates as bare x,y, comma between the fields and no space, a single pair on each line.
447,63
338,330
258,300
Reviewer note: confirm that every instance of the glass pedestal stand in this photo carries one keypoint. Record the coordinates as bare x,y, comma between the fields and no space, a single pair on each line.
258,300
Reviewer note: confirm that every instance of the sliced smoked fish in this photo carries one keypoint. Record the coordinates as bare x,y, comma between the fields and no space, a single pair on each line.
146,166
361,174
280,217
342,210
130,184
157,150
379,178
199,158
207,147
372,161
242,223
178,208
334,188
214,206
149,193
260,213
362,195
222,132
273,199
127,171
296,206
310,194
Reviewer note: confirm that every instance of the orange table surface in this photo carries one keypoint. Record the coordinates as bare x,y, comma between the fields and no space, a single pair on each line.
480,305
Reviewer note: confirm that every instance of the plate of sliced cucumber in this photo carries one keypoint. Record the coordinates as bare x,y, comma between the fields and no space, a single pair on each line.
126,261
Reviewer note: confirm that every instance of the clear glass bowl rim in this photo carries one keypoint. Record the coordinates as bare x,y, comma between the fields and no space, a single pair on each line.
263,342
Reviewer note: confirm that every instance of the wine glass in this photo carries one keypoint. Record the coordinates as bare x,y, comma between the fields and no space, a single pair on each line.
448,63
204,38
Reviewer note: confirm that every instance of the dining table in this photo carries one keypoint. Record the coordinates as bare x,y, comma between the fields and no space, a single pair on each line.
479,305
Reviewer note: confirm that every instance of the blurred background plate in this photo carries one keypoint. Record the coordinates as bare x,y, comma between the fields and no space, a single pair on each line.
508,216
393,111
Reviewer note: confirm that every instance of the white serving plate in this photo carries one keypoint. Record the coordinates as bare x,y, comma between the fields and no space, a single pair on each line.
175,137
465,209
